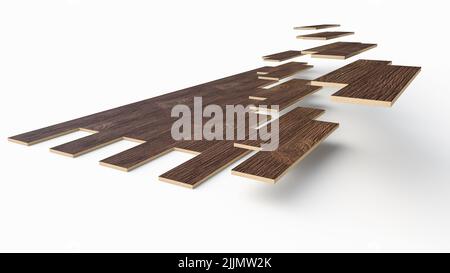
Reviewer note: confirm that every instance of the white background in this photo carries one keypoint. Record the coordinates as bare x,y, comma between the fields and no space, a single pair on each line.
380,183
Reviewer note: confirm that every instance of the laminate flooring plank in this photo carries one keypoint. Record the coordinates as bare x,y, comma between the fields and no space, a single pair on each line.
382,87
327,35
271,166
285,94
344,52
349,73
316,27
139,155
284,71
283,56
287,123
196,170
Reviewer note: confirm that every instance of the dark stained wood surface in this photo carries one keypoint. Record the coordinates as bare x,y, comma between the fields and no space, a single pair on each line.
287,122
338,50
315,27
326,35
283,71
149,122
369,82
269,166
283,56
285,94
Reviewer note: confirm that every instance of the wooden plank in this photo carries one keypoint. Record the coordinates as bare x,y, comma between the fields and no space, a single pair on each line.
196,170
271,166
382,87
283,56
283,95
283,71
349,73
287,122
316,27
338,50
326,35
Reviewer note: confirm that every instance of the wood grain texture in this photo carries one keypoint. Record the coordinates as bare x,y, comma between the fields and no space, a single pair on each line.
326,35
316,27
149,122
270,166
196,170
283,95
338,50
283,71
369,82
283,56
287,123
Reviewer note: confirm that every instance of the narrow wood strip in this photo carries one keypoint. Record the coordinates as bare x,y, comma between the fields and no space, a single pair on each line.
271,166
327,35
196,170
284,71
316,27
283,56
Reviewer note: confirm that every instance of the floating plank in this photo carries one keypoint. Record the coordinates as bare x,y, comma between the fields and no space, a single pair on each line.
338,50
283,71
283,95
327,35
196,170
316,27
349,73
270,166
287,122
283,56
369,82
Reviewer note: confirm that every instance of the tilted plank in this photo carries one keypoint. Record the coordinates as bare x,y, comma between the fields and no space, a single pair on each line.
315,27
283,71
270,166
196,170
327,35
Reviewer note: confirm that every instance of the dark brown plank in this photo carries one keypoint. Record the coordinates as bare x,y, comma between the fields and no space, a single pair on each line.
382,87
284,95
271,166
283,56
196,170
282,71
338,50
315,27
288,122
326,35
349,73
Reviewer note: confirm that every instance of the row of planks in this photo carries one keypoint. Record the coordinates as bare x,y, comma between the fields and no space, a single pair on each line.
149,123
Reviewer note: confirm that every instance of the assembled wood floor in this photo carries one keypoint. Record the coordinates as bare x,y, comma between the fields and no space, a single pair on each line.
149,122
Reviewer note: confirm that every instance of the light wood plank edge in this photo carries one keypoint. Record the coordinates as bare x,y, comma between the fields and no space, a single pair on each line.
257,98
247,147
192,186
328,84
373,102
275,180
